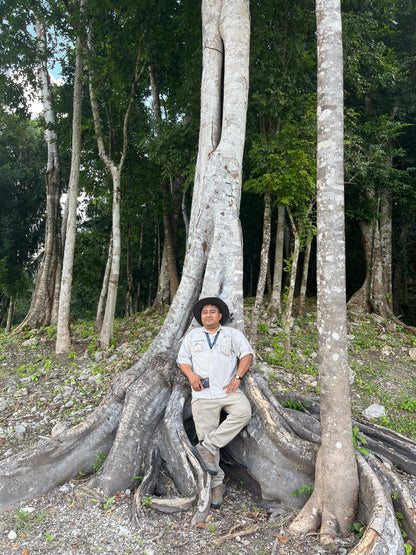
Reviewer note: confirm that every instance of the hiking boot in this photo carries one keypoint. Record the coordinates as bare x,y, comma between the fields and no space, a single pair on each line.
206,458
217,496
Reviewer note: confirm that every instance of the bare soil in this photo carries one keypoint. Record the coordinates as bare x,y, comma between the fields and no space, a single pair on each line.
39,391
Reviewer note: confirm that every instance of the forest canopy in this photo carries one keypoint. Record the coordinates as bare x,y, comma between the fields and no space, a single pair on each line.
157,179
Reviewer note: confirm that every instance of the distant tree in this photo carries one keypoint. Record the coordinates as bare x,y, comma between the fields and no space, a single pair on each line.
380,96
43,307
22,152
108,152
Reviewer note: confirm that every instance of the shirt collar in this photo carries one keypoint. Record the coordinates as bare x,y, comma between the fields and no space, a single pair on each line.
206,331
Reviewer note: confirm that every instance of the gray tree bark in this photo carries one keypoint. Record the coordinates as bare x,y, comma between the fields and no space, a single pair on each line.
63,337
376,292
10,313
99,317
147,409
294,259
40,311
115,171
275,305
305,271
168,266
333,504
264,262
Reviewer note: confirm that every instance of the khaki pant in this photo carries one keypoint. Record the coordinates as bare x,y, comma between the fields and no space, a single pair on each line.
206,414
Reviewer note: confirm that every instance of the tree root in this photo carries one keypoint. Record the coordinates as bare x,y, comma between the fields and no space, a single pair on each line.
139,426
382,533
396,490
56,460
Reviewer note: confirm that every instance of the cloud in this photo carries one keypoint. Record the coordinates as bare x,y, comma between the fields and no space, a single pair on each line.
35,104
34,96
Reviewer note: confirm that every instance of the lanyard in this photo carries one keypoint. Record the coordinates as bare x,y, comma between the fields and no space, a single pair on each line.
209,339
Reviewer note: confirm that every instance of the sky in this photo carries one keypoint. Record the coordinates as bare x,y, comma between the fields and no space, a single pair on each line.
36,105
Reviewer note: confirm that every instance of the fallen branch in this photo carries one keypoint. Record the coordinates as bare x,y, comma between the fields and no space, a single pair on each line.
233,534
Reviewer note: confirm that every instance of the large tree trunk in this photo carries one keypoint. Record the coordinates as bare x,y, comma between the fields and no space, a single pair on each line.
63,337
333,504
144,418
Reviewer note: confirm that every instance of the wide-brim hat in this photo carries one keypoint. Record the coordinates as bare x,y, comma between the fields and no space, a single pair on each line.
220,304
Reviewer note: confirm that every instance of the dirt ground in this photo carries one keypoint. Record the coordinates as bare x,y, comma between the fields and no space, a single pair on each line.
39,391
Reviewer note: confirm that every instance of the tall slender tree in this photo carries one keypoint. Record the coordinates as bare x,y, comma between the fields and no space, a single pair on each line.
333,504
141,421
115,170
63,338
41,308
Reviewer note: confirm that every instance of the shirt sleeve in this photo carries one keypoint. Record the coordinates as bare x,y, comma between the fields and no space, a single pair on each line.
184,355
241,345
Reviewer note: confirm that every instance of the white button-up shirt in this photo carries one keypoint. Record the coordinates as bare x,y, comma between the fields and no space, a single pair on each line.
218,363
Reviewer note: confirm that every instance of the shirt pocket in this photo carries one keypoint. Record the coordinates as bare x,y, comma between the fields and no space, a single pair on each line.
197,346
226,346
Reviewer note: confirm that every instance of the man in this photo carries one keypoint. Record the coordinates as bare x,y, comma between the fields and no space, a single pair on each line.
214,359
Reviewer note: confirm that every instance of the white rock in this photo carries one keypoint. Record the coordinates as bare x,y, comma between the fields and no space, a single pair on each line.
12,535
22,392
412,353
29,342
374,411
67,391
28,510
98,356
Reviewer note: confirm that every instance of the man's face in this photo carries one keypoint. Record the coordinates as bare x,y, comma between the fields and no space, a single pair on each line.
210,317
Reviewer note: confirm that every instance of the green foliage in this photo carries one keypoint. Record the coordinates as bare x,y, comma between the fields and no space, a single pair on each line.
262,327
23,520
100,458
295,405
147,501
109,505
358,440
358,528
409,404
284,165
22,193
304,489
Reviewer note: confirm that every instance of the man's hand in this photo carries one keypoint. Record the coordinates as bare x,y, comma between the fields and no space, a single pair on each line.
195,381
232,386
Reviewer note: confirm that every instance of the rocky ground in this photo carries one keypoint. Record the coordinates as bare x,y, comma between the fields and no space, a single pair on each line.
40,392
